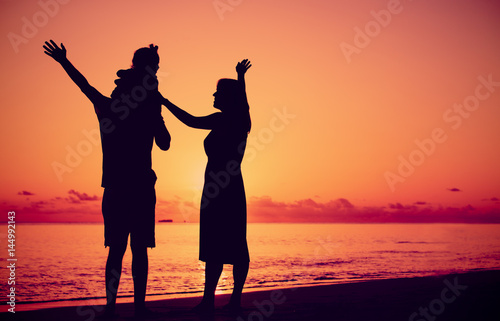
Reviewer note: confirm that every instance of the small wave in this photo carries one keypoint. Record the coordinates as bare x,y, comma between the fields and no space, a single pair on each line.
321,278
419,242
277,281
365,275
409,252
333,262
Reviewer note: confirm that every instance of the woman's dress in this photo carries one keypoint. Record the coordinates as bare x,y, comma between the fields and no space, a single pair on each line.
223,215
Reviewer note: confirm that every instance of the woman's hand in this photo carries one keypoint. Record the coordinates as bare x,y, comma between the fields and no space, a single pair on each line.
242,66
52,50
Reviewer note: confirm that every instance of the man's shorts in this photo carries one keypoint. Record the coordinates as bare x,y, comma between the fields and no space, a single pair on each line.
129,210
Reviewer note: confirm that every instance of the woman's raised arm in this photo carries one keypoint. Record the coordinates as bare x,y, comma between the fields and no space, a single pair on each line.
241,69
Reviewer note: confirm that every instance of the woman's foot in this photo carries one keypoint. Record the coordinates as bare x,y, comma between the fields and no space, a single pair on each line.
234,304
109,314
204,307
233,307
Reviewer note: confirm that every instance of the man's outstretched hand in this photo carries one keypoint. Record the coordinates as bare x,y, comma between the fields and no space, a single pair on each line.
52,50
242,66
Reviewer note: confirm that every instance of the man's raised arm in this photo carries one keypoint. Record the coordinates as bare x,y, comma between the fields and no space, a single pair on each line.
59,55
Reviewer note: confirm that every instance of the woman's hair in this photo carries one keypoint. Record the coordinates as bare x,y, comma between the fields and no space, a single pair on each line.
238,108
145,56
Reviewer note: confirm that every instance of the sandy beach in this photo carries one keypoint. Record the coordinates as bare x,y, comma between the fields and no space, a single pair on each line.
468,296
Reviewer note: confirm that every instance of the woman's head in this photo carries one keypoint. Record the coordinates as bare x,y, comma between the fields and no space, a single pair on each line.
231,100
146,57
226,98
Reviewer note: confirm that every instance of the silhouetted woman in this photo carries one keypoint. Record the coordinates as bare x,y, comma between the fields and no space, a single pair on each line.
223,205
129,123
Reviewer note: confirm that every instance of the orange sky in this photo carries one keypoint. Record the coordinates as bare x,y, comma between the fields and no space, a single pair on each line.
382,110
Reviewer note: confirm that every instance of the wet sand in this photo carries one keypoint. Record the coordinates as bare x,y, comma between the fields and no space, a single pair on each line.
469,296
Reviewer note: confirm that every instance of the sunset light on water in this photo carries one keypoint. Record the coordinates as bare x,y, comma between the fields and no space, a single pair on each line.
283,255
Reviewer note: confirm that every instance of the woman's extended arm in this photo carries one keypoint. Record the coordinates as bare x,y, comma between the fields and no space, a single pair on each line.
204,122
59,55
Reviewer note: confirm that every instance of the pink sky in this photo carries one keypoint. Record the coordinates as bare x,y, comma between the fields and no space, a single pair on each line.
362,110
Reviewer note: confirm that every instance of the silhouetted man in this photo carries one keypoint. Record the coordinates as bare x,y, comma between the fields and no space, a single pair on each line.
129,122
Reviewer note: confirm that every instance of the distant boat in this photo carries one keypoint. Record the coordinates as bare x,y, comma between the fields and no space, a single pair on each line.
165,221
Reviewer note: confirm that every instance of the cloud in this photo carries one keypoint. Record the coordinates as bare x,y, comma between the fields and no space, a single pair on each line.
54,210
340,203
307,203
341,210
454,189
468,208
76,197
264,209
25,193
399,206
81,207
492,199
78,207
266,201
177,210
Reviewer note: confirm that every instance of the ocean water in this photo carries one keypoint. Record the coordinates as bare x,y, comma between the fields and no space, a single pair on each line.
59,262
